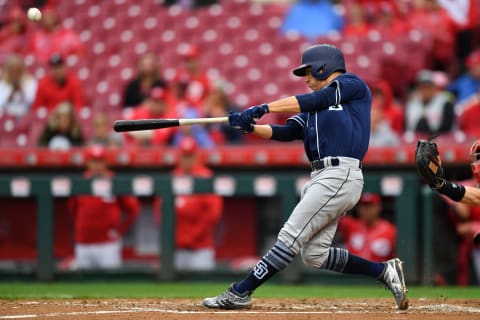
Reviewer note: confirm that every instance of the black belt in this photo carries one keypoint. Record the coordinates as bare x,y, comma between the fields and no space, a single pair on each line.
334,162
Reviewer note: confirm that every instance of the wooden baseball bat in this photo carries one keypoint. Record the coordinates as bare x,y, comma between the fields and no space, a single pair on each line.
149,124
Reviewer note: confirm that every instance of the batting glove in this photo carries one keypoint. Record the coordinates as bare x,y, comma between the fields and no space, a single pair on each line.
252,114
235,120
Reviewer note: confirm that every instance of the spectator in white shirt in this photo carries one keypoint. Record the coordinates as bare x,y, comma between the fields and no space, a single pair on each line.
17,88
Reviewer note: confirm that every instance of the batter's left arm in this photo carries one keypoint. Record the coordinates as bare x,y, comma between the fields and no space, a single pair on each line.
285,105
309,102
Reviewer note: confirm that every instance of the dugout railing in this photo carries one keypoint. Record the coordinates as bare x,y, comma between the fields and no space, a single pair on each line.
44,188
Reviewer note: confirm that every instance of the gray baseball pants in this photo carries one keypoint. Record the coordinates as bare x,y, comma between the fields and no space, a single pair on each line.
330,193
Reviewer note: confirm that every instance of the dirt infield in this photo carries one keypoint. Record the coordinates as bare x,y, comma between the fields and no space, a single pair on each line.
267,309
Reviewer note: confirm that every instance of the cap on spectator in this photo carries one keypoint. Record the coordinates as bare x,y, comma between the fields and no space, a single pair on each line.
473,58
370,198
157,93
425,77
56,59
96,152
188,145
190,52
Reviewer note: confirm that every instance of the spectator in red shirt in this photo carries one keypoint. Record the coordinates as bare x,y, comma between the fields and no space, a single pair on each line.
468,120
388,21
196,214
58,85
13,34
356,23
191,79
393,113
148,76
99,226
157,105
52,38
430,17
369,235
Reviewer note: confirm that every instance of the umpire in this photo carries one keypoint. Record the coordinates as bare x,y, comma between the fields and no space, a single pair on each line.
334,123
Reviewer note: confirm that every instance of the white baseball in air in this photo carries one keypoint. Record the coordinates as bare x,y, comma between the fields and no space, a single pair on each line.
34,14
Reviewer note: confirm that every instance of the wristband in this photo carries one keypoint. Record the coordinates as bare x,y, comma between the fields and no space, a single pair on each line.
265,108
454,191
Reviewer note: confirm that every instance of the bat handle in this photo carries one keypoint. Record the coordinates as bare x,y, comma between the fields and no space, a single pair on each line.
186,122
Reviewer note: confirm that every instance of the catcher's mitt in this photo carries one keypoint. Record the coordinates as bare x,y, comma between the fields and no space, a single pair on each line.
428,163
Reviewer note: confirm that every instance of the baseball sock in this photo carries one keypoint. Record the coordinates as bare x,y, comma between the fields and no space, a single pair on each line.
340,260
277,259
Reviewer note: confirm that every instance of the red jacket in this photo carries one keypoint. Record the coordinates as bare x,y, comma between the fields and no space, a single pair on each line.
198,88
392,112
469,119
50,94
64,41
376,243
196,215
441,28
99,219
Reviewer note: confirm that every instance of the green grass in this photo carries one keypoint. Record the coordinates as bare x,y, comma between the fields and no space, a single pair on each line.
58,290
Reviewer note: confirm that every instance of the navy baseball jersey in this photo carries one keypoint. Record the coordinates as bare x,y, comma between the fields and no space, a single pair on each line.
335,121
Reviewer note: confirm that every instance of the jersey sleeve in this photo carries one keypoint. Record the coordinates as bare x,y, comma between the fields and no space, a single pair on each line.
343,88
291,130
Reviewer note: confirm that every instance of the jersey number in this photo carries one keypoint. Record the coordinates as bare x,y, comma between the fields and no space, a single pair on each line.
338,107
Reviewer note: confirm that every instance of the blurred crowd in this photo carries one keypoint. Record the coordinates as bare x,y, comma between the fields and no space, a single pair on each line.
440,97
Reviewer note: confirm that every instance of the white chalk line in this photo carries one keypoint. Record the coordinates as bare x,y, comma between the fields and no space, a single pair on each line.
426,309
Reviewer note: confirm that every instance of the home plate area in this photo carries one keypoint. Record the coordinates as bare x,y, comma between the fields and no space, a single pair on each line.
118,309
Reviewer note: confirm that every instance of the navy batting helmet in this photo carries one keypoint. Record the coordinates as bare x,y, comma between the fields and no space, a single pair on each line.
324,59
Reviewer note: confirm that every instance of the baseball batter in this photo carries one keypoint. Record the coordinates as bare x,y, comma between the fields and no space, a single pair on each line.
334,123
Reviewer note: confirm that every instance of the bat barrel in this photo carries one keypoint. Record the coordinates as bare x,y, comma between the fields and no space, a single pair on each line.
144,124
150,124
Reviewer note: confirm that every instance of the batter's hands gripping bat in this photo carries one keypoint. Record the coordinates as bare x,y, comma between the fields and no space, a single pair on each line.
149,124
